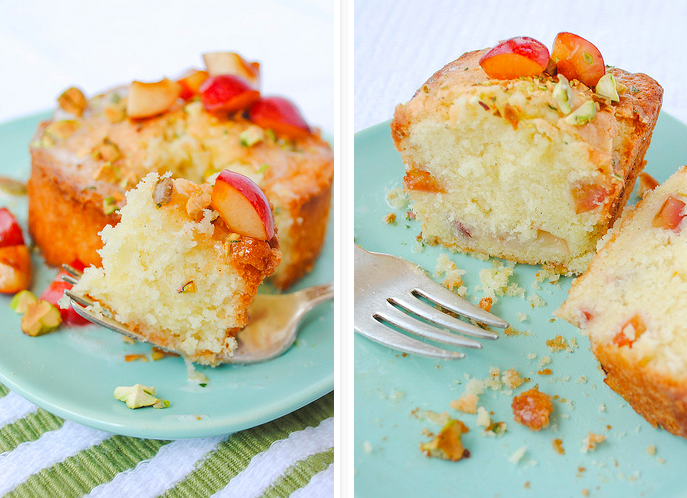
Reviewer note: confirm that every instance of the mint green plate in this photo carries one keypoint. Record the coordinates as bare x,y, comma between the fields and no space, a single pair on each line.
74,371
389,388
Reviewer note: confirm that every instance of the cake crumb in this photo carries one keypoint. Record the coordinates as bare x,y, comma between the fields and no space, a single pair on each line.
590,442
581,380
531,356
496,429
532,409
437,418
558,446
367,447
651,450
545,371
517,455
453,276
390,219
512,378
483,418
545,361
536,301
467,403
485,303
602,407
557,344
521,317
494,281
448,444
585,492
396,198
573,342
527,485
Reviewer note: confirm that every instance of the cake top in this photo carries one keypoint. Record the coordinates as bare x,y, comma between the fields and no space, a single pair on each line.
196,126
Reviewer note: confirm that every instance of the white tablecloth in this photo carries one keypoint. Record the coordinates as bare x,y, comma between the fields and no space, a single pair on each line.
399,44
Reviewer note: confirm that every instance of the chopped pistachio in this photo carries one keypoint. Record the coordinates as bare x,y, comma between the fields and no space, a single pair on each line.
634,89
162,192
588,58
40,318
73,101
107,172
59,130
161,403
188,288
251,136
563,94
263,168
198,202
107,151
582,115
447,445
136,396
12,187
110,205
22,300
115,113
606,87
269,134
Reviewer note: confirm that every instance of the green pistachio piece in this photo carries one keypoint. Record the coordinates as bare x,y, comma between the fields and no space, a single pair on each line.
21,301
136,396
582,115
161,403
110,205
607,87
563,94
40,318
251,136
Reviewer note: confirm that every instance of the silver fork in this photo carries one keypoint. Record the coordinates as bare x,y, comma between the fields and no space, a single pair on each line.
388,291
272,328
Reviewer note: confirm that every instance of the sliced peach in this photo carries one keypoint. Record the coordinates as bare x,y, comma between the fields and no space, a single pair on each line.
514,58
671,214
227,93
150,99
15,268
190,83
588,196
10,231
637,325
231,63
417,179
281,116
577,58
243,206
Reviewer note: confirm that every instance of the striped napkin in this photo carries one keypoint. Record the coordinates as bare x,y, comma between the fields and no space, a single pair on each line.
44,455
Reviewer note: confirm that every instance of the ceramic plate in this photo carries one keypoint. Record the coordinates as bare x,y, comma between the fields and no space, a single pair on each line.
73,372
393,392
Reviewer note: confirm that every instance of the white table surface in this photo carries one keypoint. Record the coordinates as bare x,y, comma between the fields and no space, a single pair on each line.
400,44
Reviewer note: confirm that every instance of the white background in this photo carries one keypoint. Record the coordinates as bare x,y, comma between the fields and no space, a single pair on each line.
48,46
399,44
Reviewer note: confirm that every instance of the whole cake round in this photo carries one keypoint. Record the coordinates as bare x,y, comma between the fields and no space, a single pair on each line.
92,151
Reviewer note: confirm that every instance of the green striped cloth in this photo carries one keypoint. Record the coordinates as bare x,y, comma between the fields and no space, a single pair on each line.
44,455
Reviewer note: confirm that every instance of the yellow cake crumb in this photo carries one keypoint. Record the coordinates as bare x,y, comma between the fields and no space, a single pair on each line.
590,442
557,344
467,403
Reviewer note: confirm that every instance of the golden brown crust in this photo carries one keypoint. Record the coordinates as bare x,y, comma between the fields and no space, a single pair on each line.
659,399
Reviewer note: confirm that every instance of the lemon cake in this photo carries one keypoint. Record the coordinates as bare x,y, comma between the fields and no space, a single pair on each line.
533,169
93,150
629,303
175,273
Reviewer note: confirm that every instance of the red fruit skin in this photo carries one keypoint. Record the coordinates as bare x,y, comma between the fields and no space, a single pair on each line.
55,291
571,54
670,215
10,231
226,92
515,57
280,115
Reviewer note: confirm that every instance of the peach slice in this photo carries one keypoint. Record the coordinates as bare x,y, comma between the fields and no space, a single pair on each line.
671,214
243,206
516,57
150,99
227,93
10,231
231,63
577,58
588,196
280,115
15,268
190,83
634,326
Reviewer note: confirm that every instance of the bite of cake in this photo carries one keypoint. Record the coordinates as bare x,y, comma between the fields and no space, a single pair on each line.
525,155
629,302
178,273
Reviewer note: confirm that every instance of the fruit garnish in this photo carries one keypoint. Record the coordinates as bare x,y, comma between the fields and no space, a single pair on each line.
150,99
417,179
448,444
12,187
15,268
10,231
630,332
243,206
280,115
521,56
21,301
587,196
563,94
136,396
55,291
670,215
163,190
582,115
218,63
72,101
40,318
190,83
607,87
227,93
577,58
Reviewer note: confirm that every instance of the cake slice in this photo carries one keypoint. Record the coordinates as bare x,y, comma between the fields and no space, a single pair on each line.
533,169
175,273
95,149
630,304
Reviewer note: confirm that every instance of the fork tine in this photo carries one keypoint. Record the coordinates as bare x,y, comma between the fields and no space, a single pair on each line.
436,316
70,280
414,326
440,295
83,301
381,334
72,271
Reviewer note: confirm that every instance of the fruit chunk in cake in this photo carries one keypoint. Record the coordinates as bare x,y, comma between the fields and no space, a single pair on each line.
630,302
175,272
93,150
533,168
